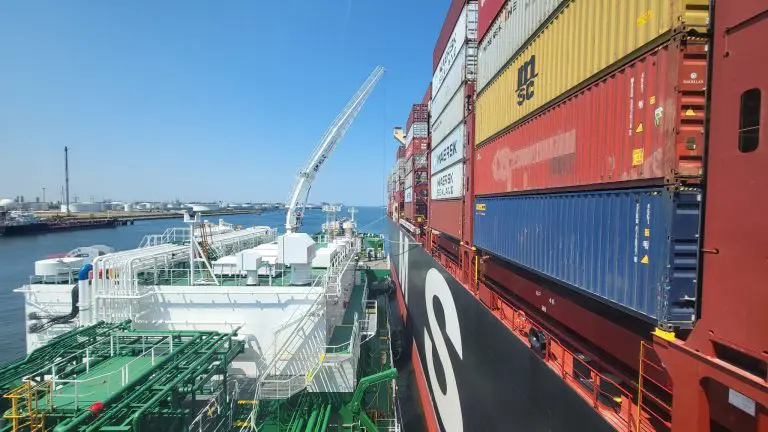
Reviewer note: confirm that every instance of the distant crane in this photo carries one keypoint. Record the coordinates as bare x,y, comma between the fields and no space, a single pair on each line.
332,136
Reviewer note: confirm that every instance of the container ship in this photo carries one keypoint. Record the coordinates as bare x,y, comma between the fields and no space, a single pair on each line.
212,327
576,242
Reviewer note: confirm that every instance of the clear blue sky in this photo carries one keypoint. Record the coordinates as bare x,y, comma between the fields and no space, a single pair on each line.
204,100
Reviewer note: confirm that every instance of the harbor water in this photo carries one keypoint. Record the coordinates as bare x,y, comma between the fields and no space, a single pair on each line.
19,254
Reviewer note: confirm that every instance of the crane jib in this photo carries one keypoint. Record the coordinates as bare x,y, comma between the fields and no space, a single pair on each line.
334,134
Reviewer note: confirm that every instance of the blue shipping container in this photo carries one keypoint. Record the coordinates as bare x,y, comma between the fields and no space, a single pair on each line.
636,248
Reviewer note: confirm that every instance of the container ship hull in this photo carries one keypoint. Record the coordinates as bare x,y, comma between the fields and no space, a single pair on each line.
468,363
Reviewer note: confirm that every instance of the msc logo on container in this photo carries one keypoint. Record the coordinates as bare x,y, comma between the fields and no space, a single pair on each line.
480,209
526,78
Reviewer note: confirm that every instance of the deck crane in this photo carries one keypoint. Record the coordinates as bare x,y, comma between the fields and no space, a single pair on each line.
332,136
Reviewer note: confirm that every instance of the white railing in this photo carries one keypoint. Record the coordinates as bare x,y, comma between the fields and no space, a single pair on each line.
273,383
369,323
171,235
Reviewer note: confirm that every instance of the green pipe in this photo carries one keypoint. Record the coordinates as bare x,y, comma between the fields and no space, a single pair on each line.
312,420
366,421
135,418
299,424
67,425
327,416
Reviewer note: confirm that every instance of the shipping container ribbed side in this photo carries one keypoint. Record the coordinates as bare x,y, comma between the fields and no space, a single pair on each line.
463,68
486,13
446,216
513,26
636,248
410,211
644,122
451,18
419,113
559,60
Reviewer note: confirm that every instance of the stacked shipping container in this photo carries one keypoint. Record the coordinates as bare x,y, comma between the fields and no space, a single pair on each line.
614,106
416,171
450,109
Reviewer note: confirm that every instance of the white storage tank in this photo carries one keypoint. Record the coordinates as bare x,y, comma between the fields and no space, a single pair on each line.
58,266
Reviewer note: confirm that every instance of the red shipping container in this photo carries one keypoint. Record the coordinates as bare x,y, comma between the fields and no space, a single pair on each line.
451,18
446,216
410,210
486,13
427,96
419,113
644,123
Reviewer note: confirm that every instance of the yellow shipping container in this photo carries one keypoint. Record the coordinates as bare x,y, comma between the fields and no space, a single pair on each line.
583,39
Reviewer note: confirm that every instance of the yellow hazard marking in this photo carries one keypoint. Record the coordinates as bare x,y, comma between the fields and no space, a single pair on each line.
639,128
690,112
666,335
638,157
647,232
644,260
652,100
480,207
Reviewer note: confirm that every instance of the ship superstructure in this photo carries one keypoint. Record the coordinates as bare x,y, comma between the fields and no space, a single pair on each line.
268,329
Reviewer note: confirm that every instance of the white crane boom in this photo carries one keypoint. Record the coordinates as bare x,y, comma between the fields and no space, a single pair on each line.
332,136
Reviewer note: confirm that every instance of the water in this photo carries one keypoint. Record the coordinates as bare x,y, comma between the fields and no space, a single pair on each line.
18,255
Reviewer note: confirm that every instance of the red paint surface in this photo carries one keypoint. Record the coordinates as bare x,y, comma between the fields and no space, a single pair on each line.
735,263
451,18
486,13
427,95
735,279
410,210
446,216
594,137
450,245
609,336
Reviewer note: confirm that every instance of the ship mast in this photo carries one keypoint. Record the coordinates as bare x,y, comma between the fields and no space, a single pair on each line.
334,134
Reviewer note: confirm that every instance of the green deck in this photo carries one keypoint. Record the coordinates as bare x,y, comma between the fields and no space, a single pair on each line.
102,381
343,332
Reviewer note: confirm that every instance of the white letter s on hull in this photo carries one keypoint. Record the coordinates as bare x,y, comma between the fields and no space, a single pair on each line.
448,403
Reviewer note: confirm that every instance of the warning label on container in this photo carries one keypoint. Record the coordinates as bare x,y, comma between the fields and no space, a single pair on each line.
638,157
644,260
639,128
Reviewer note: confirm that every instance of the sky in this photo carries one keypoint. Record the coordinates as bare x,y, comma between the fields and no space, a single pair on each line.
204,100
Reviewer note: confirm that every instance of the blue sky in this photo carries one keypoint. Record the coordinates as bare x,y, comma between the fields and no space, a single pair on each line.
203,100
